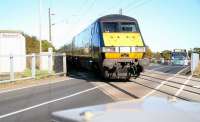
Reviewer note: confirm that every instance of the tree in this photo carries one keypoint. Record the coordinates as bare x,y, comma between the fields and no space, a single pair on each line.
197,50
166,54
46,45
189,53
148,53
33,45
157,55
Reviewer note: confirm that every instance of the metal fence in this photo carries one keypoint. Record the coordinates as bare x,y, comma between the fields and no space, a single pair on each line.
34,66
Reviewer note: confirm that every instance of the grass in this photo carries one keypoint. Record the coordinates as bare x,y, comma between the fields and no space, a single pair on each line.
39,73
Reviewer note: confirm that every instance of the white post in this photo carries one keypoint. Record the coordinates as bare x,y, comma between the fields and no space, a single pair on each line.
33,66
64,64
50,60
12,75
49,63
194,61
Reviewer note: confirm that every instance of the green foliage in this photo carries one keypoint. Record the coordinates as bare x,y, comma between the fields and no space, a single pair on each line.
148,53
33,45
46,45
166,54
65,49
157,55
27,73
197,50
189,53
39,73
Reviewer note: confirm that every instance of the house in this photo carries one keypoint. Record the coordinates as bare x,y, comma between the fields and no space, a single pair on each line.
12,43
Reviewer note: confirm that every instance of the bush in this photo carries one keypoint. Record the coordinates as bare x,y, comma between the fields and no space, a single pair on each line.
27,73
39,73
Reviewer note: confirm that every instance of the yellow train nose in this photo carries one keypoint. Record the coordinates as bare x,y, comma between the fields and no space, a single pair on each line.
122,39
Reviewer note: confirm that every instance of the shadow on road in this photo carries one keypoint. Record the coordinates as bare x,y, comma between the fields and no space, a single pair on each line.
90,76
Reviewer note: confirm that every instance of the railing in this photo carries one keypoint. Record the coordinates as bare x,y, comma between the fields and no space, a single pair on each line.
34,66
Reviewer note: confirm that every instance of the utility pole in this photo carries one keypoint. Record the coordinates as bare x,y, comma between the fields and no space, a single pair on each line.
40,25
50,26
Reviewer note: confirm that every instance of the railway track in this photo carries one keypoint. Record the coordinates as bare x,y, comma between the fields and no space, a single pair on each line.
168,74
134,88
171,84
158,81
198,93
171,81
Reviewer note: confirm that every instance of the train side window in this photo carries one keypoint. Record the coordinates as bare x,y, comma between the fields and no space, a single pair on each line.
128,27
110,27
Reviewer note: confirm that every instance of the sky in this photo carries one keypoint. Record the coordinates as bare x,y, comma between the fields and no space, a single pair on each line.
164,24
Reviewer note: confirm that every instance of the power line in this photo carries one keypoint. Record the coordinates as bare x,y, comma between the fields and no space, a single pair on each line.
131,3
139,5
81,7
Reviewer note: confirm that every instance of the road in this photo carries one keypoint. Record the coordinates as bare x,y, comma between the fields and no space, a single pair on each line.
35,104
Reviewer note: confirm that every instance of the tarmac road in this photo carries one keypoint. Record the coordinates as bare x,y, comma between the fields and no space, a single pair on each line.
36,104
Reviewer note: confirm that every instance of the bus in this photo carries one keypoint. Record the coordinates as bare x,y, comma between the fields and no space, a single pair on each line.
179,57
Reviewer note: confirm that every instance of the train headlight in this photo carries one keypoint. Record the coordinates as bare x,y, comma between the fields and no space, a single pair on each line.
125,49
110,49
138,49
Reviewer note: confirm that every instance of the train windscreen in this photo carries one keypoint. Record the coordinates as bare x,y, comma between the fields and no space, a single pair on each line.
119,27
110,27
128,27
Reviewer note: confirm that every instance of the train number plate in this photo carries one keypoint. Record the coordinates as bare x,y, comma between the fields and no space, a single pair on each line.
124,55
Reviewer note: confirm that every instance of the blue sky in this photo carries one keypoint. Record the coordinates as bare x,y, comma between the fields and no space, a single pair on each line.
165,24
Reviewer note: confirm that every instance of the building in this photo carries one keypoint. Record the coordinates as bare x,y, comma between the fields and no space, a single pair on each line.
12,43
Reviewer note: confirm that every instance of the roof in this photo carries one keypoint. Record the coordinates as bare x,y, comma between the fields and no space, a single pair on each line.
116,17
10,31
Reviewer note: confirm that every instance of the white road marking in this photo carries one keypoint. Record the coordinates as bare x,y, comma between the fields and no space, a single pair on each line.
158,68
154,69
182,70
197,86
162,83
48,102
11,90
153,91
182,87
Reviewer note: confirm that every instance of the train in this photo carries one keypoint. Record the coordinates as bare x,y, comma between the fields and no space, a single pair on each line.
112,45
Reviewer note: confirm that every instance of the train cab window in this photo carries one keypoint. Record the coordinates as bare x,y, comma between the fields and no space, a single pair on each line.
128,27
110,27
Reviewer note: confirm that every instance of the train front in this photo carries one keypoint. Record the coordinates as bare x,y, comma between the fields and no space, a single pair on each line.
122,47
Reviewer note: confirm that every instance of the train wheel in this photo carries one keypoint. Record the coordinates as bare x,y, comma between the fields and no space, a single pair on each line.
128,76
105,75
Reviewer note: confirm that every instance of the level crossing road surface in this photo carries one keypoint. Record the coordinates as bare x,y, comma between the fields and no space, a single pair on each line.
35,104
